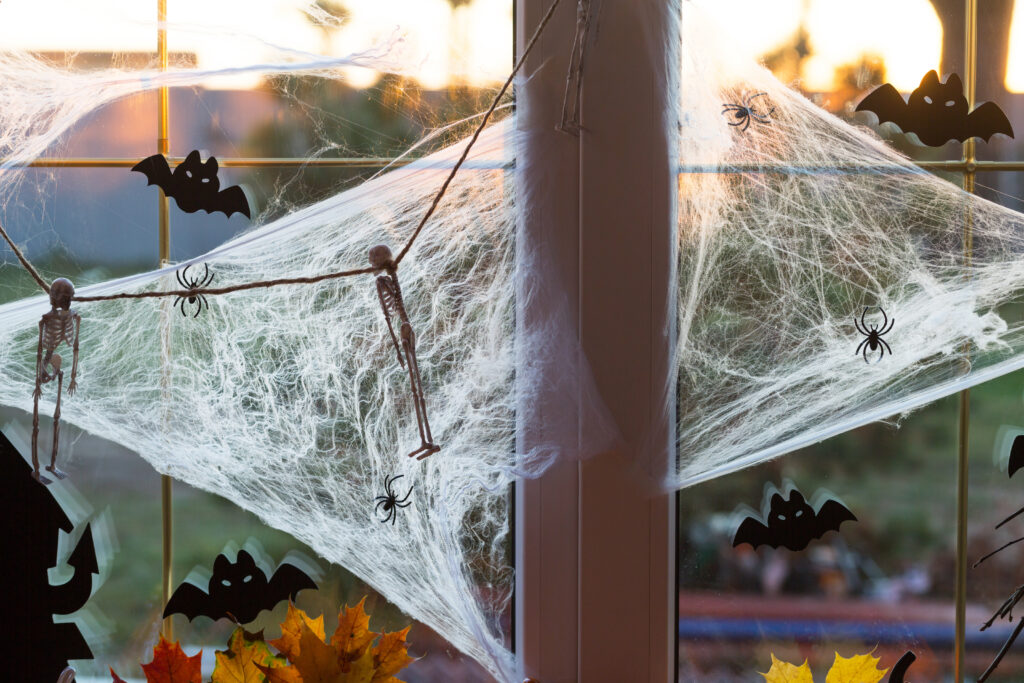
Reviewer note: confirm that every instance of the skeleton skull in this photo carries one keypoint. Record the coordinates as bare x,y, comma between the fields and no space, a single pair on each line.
380,257
61,291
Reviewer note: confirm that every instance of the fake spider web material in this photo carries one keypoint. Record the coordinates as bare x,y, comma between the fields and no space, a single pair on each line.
290,402
787,231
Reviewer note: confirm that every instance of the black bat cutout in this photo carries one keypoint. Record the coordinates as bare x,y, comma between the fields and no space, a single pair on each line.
788,520
900,670
1016,455
238,590
936,112
194,184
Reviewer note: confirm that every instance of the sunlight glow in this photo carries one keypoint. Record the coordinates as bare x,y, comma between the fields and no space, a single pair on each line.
907,35
1015,57
471,44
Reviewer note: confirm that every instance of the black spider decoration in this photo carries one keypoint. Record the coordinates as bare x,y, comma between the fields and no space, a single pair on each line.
873,335
391,501
744,113
195,298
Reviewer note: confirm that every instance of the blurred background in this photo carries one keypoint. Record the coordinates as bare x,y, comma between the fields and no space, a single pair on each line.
884,584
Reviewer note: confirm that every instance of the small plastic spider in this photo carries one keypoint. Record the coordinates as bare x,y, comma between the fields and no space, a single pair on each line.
873,335
391,502
744,113
195,298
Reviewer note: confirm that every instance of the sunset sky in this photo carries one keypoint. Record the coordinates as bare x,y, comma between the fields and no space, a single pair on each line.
472,43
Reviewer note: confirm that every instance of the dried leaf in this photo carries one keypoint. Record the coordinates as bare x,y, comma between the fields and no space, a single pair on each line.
317,662
288,643
241,661
784,672
390,655
171,665
117,679
353,635
285,674
856,669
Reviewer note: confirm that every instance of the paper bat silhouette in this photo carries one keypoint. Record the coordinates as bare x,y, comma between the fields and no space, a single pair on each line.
194,184
239,590
789,521
936,112
900,669
1016,455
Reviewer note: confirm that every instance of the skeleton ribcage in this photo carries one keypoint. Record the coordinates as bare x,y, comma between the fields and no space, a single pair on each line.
393,304
57,330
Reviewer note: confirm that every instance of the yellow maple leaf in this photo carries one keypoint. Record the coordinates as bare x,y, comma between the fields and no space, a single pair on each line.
291,631
241,662
353,636
856,669
784,672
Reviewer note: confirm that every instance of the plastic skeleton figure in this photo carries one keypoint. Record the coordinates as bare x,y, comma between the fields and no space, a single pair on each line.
60,325
391,303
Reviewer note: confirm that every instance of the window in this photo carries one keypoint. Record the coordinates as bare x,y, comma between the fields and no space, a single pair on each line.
887,584
79,213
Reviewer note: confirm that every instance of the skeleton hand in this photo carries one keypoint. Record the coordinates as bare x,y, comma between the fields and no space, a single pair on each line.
72,387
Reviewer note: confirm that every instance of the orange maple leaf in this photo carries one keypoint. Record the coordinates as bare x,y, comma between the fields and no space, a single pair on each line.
317,662
390,656
353,635
241,661
117,679
286,674
291,631
171,665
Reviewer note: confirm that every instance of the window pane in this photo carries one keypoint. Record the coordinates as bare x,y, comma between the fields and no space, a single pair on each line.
883,584
94,224
886,582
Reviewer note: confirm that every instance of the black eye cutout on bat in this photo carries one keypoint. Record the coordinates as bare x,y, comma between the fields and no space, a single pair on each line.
1016,460
194,184
238,590
787,520
936,112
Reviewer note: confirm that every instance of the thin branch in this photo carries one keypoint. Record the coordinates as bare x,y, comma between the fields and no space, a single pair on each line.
476,134
24,261
226,290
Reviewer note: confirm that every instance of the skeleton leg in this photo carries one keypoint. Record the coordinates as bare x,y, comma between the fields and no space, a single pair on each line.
427,446
52,467
35,434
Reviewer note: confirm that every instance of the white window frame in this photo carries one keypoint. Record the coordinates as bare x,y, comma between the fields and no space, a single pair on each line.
596,589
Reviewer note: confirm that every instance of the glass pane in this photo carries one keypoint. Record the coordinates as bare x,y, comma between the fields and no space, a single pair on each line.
1000,77
883,583
996,410
886,582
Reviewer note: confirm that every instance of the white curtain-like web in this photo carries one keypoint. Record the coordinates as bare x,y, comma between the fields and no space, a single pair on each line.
787,231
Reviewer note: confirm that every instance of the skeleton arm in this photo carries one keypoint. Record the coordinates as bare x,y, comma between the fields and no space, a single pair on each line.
39,362
74,362
381,286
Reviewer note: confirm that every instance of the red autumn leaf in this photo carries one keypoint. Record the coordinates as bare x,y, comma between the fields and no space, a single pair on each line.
171,665
117,679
